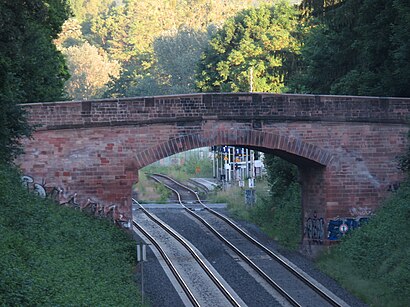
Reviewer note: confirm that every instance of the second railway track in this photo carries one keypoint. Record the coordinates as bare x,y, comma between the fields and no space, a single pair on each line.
294,285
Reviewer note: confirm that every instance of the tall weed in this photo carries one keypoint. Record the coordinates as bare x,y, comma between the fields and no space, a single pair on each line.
377,254
57,256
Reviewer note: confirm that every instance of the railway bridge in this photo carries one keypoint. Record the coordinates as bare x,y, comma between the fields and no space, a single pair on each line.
346,147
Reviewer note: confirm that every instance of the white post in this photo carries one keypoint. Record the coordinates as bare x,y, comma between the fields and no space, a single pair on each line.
229,163
234,163
253,175
247,162
141,257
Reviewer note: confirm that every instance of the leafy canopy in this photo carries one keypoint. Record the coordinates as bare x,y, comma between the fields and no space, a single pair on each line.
91,71
140,33
359,48
256,48
31,68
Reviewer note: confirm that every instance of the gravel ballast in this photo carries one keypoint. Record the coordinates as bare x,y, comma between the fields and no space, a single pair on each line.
160,292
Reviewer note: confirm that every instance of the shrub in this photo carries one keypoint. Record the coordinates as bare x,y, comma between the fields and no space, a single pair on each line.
52,255
374,260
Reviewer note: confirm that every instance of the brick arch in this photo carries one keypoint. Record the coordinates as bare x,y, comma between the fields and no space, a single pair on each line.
349,144
245,138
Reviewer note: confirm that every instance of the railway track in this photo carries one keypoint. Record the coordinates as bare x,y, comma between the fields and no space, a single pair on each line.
201,289
295,286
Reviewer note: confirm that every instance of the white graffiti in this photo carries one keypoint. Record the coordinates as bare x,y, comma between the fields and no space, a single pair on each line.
62,198
360,211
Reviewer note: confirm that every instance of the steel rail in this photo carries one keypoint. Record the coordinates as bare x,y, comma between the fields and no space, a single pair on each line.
171,266
198,259
273,255
261,273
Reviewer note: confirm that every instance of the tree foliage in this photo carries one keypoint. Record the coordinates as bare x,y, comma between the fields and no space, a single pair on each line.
187,44
136,33
281,174
91,70
258,46
70,35
318,8
13,127
284,205
137,23
31,68
87,9
359,48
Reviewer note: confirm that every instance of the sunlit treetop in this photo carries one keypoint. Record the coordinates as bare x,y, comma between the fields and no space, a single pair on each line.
252,51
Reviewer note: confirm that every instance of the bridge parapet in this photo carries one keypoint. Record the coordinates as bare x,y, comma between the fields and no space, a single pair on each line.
222,106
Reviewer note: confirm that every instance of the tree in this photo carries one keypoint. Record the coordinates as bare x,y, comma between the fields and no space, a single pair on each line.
70,35
138,77
31,68
87,9
187,44
255,49
137,31
112,31
27,29
359,48
91,70
318,8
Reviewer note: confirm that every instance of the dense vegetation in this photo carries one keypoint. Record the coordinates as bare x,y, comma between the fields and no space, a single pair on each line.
56,256
156,44
374,261
279,218
123,48
332,46
253,51
283,212
31,68
358,48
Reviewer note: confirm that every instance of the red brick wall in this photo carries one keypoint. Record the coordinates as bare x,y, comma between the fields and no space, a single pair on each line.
345,146
246,107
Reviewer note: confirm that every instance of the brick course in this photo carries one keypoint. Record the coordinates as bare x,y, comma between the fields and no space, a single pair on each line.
346,147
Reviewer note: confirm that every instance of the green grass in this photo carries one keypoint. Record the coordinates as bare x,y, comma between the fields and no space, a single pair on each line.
149,191
280,220
57,256
374,261
185,171
234,197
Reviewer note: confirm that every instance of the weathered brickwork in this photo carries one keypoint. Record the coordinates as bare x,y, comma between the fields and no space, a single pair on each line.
345,147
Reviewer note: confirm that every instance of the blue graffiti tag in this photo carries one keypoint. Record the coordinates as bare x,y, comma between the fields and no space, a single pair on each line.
333,228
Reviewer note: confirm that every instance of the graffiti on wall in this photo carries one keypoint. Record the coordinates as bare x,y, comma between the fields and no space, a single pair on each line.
59,196
337,228
56,194
393,187
315,229
360,211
